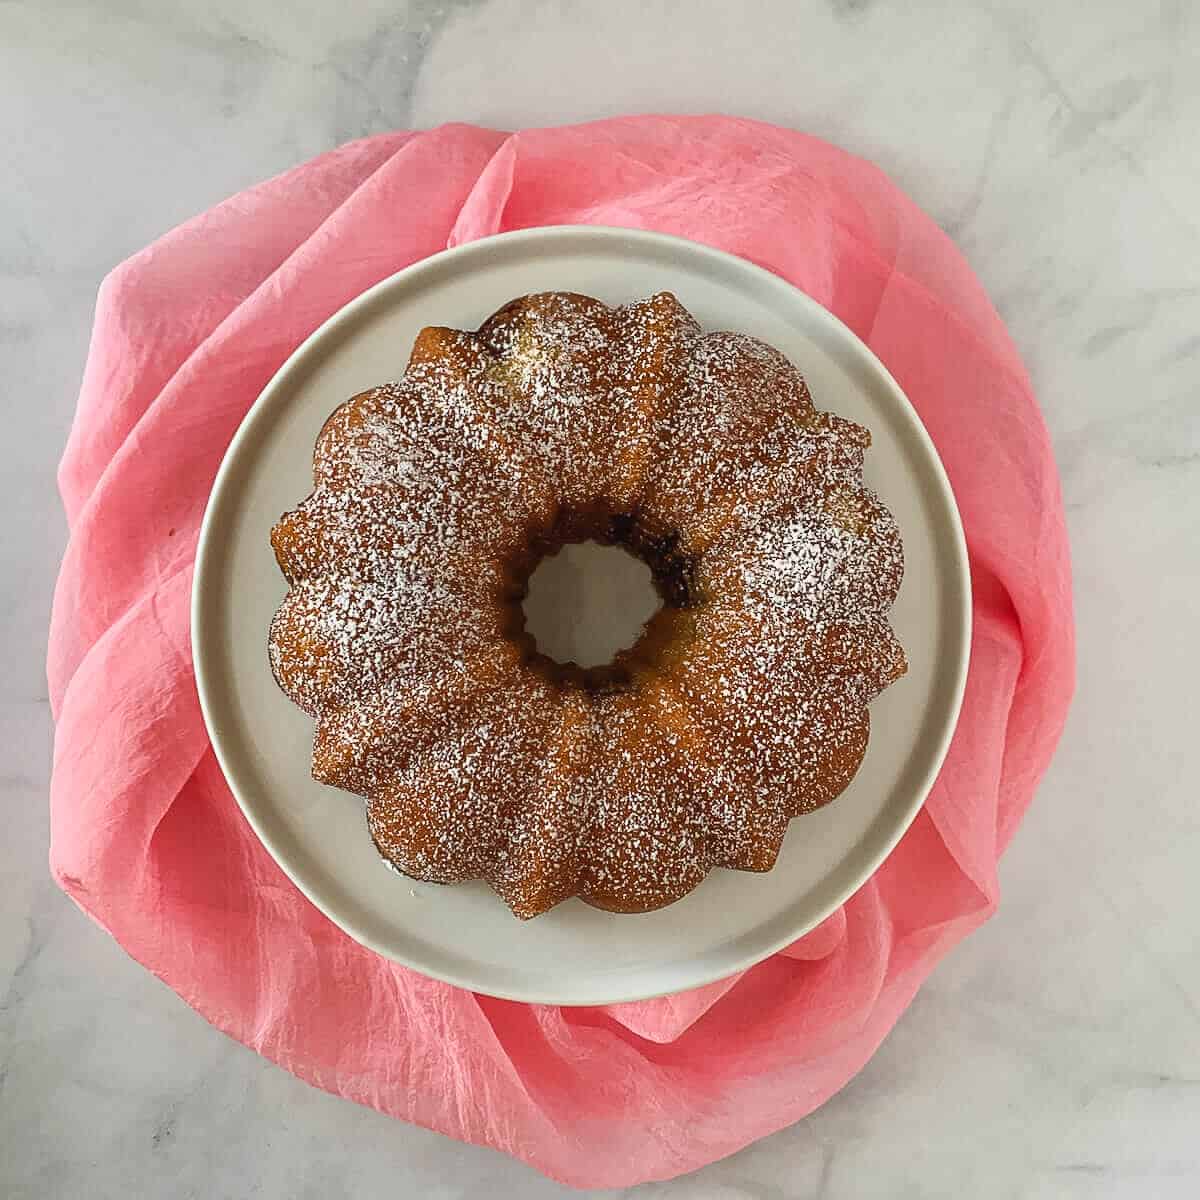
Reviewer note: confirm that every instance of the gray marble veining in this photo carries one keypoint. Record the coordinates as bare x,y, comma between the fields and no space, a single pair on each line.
1054,1056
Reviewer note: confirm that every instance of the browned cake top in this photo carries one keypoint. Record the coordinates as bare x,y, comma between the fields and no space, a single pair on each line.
743,704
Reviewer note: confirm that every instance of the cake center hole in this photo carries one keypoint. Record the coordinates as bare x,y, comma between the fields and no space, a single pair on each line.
588,602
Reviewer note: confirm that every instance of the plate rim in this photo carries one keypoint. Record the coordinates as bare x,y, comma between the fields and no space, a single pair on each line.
201,602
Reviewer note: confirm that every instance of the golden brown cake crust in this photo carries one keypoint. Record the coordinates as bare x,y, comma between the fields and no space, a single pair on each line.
744,703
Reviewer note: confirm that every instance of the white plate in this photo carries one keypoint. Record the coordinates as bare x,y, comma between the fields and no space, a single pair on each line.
464,934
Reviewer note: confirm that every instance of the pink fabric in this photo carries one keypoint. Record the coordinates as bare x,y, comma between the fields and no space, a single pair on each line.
145,835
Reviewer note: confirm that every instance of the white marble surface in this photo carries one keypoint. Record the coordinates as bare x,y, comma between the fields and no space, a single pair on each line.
1057,1053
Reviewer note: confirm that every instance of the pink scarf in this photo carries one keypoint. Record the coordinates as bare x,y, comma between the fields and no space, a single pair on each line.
146,837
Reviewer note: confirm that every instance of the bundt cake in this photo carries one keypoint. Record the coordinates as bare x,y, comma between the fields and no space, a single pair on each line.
743,703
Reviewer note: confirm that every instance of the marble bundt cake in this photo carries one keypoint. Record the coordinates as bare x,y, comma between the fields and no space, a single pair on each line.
742,705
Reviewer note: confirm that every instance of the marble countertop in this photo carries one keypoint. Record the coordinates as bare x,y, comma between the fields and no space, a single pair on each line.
1055,1054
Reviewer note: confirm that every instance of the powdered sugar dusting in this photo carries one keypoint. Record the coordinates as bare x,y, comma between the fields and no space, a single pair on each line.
744,703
